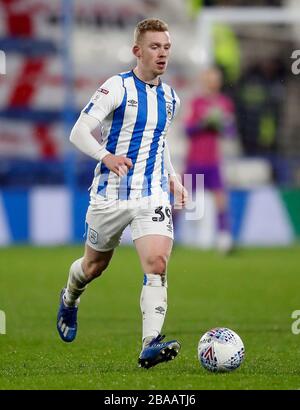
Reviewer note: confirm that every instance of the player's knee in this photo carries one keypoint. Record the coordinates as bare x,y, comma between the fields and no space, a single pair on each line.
158,264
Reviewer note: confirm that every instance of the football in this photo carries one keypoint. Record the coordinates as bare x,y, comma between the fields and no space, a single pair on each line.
220,350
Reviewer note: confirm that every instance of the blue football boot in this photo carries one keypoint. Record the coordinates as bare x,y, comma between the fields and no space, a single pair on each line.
66,320
156,352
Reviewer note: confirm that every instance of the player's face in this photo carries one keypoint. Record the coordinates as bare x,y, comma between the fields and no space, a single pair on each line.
153,52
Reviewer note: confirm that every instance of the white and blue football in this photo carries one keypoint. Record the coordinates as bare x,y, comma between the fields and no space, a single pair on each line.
221,350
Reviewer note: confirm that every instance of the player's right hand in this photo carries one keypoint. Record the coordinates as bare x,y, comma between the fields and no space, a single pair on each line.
180,193
118,164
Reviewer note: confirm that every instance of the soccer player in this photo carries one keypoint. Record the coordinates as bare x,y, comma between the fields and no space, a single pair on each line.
211,117
134,111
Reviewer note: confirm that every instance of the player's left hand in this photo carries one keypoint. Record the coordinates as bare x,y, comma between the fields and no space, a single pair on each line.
179,192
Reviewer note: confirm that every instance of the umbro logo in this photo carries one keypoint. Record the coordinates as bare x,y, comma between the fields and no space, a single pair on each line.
170,227
132,103
160,310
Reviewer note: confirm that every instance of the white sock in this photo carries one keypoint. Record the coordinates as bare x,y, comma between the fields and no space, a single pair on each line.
153,304
76,283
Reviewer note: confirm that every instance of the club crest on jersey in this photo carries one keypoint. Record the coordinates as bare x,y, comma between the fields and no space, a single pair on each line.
93,236
169,107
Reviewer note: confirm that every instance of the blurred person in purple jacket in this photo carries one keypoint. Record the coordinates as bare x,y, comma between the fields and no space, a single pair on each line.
211,116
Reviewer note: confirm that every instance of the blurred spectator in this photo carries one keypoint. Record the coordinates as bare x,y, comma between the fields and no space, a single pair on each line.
196,5
259,103
211,116
227,53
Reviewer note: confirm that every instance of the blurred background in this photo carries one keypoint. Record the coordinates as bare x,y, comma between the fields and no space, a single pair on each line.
58,53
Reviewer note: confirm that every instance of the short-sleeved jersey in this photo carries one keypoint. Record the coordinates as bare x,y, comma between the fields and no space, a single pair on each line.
135,117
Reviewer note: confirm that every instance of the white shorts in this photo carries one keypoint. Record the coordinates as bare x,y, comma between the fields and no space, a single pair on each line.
107,220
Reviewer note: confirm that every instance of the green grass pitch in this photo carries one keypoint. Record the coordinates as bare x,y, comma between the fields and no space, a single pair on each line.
253,292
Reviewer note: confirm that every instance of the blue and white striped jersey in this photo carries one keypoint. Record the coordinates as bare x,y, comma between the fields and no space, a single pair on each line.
135,117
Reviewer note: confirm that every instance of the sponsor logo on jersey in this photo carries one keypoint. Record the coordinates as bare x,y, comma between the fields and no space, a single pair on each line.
132,103
103,91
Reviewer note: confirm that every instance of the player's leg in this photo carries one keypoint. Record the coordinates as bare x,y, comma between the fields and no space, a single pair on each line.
104,228
82,271
224,240
154,252
213,181
152,232
222,211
